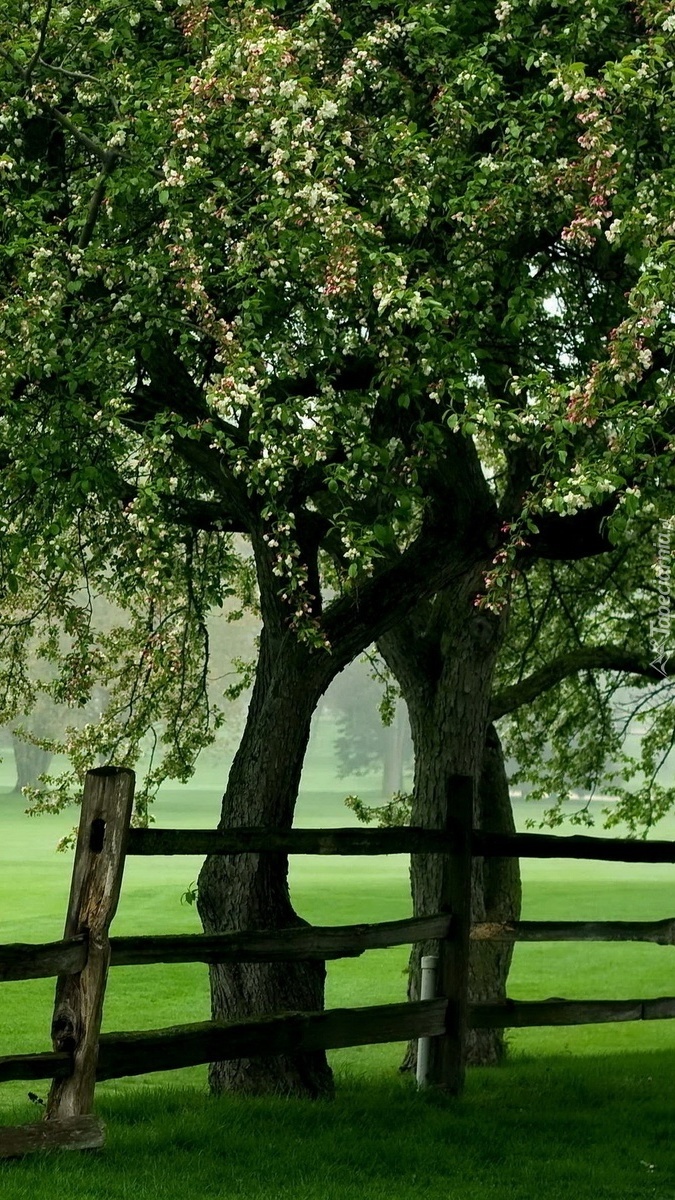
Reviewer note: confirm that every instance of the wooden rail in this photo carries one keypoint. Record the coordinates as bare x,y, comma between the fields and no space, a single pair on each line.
662,933
280,945
209,1041
404,839
138,1053
23,961
526,1013
550,845
69,956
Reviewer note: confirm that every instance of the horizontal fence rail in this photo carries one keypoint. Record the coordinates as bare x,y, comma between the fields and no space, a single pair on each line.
550,845
312,942
662,933
68,957
213,1041
139,1053
523,1013
403,839
26,961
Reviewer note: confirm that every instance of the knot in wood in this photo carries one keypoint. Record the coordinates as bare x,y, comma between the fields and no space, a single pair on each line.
65,1029
484,627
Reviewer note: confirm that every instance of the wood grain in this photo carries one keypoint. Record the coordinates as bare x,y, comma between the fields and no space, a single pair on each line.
661,933
525,1013
208,1041
95,889
213,1041
277,945
405,839
447,1054
20,960
69,1133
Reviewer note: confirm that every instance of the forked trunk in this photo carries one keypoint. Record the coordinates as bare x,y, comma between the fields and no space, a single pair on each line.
251,891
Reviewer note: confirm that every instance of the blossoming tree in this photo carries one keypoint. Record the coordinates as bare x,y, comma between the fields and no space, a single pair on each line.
385,288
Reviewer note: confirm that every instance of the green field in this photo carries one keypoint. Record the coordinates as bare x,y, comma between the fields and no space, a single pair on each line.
592,1106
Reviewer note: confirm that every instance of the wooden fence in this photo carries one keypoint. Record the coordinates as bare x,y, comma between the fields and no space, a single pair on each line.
81,1055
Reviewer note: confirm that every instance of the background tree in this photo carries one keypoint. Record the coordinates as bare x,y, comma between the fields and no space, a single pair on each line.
372,729
386,291
589,703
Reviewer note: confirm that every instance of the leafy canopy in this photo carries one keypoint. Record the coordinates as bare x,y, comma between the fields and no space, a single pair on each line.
294,270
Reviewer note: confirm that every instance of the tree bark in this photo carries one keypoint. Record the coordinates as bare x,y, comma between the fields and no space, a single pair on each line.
444,659
250,891
497,898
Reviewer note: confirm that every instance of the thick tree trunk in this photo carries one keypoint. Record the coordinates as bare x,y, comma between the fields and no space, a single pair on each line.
251,891
31,761
497,898
444,661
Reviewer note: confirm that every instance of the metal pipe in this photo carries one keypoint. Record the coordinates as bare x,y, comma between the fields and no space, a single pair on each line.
427,992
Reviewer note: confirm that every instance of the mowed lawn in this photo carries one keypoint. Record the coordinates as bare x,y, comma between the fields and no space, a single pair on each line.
576,1112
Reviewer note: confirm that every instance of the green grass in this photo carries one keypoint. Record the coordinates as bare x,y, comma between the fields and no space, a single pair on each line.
544,1129
583,1112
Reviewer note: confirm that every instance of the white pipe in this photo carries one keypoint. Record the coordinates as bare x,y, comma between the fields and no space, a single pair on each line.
427,992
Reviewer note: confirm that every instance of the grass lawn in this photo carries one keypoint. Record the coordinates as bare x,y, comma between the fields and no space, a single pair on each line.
582,1112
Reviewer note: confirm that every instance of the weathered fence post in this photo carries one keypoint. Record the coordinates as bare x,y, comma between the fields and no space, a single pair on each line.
94,893
447,1053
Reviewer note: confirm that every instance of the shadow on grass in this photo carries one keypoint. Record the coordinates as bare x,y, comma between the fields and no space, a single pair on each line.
549,1128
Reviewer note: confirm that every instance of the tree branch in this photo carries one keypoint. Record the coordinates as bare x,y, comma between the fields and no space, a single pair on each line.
460,533
431,563
211,516
96,202
78,75
94,147
173,390
41,41
580,535
585,658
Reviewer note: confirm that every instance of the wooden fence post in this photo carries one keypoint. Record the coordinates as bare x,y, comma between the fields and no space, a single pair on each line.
448,1053
97,877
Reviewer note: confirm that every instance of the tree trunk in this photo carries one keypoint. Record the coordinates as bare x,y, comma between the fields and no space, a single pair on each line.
444,661
497,898
251,891
31,761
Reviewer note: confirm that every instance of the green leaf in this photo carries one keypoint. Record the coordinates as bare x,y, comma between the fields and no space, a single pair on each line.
384,534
